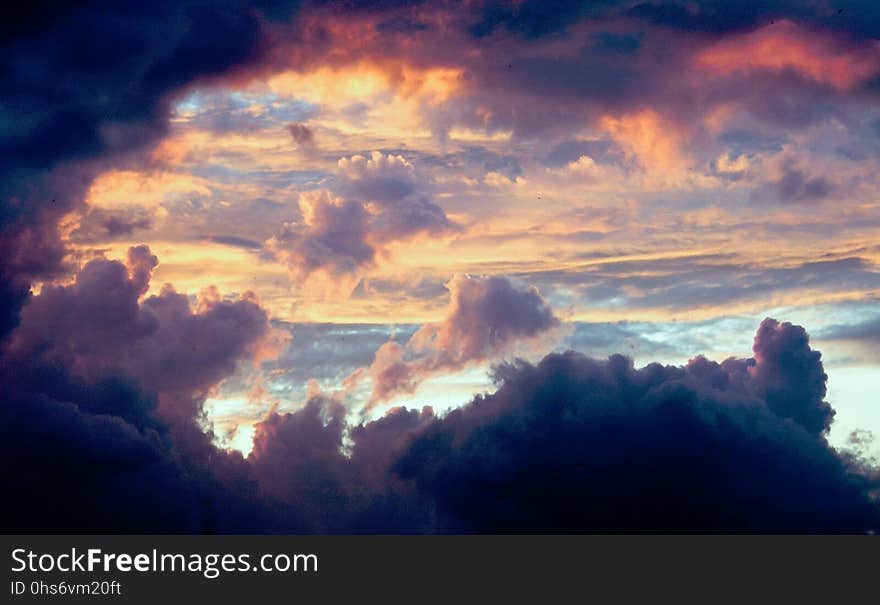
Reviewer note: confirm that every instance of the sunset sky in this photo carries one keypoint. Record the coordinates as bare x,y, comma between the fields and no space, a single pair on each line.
673,188
405,195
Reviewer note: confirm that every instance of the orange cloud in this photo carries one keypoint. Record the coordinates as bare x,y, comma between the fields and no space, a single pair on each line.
788,46
655,142
118,188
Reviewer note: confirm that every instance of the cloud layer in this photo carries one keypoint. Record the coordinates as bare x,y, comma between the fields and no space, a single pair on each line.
570,444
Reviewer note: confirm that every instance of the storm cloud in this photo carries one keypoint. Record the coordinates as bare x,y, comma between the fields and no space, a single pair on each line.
570,444
95,398
575,444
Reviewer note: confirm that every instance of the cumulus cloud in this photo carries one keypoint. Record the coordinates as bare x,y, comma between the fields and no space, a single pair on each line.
333,237
401,198
104,389
487,317
377,200
788,375
575,444
570,444
100,323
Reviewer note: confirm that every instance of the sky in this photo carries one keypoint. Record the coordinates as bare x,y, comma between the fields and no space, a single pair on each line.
388,266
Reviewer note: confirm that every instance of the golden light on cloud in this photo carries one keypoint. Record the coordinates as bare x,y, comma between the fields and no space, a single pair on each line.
653,141
784,45
380,98
116,189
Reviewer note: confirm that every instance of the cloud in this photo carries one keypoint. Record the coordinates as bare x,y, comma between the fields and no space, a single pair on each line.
333,237
701,282
105,384
103,392
796,186
575,444
862,336
99,224
788,374
236,241
89,88
101,326
867,331
783,45
299,463
379,201
570,444
487,317
391,184
301,134
521,68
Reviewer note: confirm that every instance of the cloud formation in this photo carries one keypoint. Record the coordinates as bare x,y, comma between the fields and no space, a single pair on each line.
334,237
571,444
377,200
104,392
690,449
487,317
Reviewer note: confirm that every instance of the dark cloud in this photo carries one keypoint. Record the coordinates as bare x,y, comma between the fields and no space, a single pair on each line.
401,24
299,462
867,331
236,241
788,375
99,224
116,226
532,18
616,43
301,134
571,444
602,151
858,336
796,186
575,444
94,80
103,392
